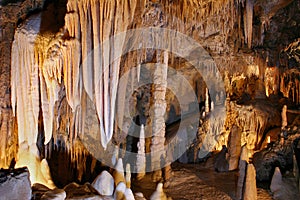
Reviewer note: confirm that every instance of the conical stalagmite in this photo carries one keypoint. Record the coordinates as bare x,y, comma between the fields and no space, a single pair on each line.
120,191
118,173
276,183
250,183
141,158
159,193
128,176
234,148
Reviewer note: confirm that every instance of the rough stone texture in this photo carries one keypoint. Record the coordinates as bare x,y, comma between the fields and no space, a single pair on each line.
15,184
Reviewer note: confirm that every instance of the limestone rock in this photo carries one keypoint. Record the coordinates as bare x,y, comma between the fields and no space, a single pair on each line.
56,194
250,184
104,183
15,184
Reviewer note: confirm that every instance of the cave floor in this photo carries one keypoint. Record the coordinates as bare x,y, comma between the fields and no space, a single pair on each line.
196,181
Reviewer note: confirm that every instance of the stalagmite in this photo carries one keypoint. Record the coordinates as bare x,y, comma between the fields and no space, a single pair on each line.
158,112
128,176
129,194
206,101
234,148
115,156
159,193
276,183
284,117
118,173
120,191
250,183
138,72
212,106
141,159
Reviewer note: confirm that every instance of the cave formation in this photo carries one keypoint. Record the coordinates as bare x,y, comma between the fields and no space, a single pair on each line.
149,99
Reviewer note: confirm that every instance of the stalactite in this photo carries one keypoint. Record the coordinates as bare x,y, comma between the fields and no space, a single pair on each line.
93,22
71,70
25,73
271,80
248,20
290,85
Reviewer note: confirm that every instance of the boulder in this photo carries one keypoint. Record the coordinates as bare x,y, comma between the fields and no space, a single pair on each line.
104,183
15,184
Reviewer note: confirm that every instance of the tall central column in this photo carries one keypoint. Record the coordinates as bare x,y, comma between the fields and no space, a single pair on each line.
158,110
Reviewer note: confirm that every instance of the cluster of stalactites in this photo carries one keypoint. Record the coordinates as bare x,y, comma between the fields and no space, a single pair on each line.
80,56
290,85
